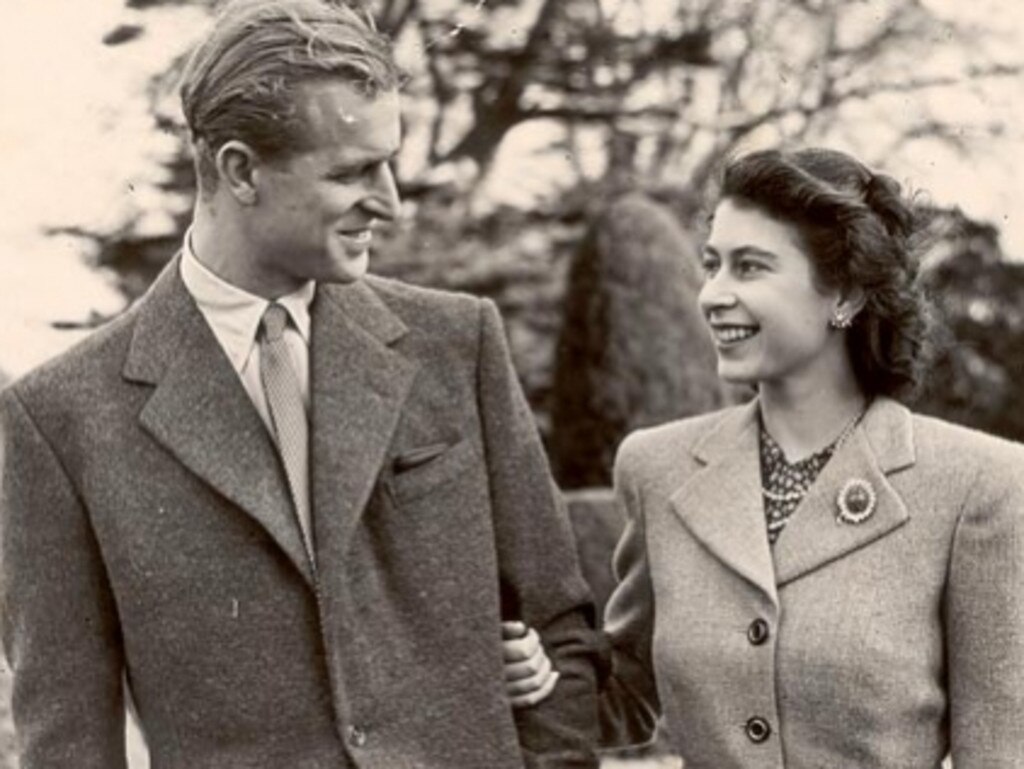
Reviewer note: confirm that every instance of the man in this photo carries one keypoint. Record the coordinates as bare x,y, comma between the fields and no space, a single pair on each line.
284,504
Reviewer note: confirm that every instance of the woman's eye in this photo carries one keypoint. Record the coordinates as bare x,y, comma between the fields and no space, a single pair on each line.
749,268
709,266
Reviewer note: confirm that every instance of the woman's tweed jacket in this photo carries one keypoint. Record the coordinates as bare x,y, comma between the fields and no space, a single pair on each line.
889,643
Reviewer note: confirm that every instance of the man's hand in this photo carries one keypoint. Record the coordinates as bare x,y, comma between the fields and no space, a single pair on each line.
529,675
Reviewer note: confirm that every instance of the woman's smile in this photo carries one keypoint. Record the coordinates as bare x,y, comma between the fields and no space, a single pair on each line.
728,335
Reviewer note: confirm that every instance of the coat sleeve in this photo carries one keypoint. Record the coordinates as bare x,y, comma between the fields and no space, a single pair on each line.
541,583
628,702
59,631
984,614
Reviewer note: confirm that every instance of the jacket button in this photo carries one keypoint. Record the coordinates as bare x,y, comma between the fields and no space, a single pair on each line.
356,737
758,632
758,730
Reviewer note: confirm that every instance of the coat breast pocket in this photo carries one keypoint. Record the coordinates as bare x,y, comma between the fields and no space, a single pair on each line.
419,471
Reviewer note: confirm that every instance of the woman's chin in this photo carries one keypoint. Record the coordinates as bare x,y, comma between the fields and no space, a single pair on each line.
736,375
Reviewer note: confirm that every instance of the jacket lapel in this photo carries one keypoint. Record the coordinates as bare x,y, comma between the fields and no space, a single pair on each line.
199,411
721,503
813,537
358,386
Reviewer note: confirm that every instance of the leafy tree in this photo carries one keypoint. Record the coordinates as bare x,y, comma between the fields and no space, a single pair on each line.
675,86
667,88
664,90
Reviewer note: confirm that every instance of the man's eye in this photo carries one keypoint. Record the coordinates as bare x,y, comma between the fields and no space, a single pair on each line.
348,175
749,267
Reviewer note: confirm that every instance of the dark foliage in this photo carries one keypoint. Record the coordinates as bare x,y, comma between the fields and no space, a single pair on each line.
978,379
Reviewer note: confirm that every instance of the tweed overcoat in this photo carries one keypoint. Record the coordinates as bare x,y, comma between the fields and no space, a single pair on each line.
146,536
879,645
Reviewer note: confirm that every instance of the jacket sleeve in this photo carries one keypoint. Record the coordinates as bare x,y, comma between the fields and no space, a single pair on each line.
541,583
629,705
984,614
59,631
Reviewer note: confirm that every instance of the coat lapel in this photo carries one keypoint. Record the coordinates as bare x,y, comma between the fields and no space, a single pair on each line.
199,411
813,537
358,386
721,503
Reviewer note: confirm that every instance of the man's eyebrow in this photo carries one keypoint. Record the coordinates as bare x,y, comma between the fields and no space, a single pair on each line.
359,165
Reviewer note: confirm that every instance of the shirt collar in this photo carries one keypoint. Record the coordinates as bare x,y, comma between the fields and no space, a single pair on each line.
233,313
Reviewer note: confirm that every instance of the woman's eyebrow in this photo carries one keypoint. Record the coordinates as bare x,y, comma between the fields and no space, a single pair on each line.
741,251
754,251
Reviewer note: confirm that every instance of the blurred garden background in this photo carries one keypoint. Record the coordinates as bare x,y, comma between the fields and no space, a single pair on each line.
558,158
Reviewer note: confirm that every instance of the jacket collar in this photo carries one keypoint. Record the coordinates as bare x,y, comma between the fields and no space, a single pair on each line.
887,425
166,317
721,503
199,410
722,506
814,536
359,382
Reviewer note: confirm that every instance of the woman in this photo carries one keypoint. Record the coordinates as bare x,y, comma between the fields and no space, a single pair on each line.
818,578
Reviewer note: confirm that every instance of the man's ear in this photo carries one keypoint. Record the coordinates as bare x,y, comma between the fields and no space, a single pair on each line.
851,302
236,164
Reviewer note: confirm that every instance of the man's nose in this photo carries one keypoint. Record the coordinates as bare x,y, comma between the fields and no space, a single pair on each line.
383,200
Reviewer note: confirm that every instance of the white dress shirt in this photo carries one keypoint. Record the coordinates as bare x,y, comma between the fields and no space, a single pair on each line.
234,317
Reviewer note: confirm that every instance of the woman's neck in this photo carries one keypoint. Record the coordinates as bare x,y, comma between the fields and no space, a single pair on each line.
804,420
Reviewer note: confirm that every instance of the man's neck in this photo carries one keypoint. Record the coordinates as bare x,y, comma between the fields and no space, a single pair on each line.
221,246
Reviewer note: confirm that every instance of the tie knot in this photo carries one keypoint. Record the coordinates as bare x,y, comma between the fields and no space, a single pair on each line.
275,318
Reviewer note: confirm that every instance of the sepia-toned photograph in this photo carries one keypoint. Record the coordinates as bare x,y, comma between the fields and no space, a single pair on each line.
512,384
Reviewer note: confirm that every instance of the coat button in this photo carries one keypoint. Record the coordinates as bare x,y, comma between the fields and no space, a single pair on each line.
758,730
758,632
356,737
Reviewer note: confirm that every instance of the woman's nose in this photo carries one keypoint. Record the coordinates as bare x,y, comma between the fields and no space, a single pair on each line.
717,292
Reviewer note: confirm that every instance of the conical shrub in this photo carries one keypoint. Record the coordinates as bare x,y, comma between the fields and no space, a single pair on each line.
633,350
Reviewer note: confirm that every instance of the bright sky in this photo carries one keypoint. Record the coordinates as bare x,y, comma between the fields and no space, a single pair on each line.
71,144
76,145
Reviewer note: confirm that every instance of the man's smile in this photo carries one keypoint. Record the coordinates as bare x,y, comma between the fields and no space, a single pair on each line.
362,235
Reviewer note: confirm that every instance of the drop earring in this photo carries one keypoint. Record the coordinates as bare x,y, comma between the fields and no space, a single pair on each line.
840,320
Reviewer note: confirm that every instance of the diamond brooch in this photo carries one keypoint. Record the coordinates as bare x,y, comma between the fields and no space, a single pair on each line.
856,501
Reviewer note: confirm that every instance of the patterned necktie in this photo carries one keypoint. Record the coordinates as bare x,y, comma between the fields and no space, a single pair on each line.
287,414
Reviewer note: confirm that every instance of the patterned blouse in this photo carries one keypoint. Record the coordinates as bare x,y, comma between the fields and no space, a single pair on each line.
783,484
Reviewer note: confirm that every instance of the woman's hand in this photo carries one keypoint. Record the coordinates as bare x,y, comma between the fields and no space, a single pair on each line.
529,676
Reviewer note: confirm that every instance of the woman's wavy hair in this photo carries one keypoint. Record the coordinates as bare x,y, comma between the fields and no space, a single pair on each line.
859,231
242,79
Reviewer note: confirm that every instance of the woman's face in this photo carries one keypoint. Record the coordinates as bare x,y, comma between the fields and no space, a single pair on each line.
767,317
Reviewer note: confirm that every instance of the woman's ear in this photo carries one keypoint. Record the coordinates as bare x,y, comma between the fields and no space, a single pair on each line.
236,163
850,303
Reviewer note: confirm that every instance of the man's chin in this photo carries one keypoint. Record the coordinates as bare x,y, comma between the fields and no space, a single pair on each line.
349,269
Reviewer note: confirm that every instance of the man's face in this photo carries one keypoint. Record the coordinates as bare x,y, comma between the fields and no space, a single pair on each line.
315,210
